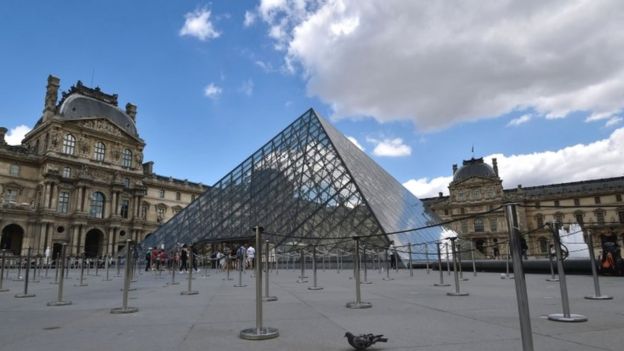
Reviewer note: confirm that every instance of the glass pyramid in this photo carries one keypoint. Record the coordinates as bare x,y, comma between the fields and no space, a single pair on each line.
307,185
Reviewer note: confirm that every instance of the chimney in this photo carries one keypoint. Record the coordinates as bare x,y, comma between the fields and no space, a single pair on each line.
454,168
148,168
495,166
2,135
131,111
440,194
51,96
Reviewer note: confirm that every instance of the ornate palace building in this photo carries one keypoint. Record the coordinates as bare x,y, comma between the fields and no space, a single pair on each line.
78,177
477,188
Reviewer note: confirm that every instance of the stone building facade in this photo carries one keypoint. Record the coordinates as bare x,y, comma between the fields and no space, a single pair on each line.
477,188
78,177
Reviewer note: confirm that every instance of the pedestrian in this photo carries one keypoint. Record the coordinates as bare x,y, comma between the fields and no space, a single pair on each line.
251,254
148,259
183,259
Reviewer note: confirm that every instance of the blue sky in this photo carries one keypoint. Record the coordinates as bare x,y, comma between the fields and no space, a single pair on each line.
417,85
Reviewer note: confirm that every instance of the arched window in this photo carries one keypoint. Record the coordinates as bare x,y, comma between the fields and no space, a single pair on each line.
99,151
69,144
543,245
97,205
126,159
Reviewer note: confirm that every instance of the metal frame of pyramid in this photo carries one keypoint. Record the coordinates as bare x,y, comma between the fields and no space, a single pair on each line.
308,185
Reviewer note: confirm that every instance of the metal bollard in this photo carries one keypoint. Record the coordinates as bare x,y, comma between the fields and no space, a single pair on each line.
19,269
314,287
34,273
2,271
174,268
396,260
507,275
241,263
552,269
97,266
227,268
26,294
190,291
118,265
126,287
592,259
357,304
441,283
459,260
365,256
107,268
59,300
566,316
267,297
455,275
259,332
56,271
448,263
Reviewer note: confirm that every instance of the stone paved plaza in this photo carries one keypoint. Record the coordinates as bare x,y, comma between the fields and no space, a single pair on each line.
410,311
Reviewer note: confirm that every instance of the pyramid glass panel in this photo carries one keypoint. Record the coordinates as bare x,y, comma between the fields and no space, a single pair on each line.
309,185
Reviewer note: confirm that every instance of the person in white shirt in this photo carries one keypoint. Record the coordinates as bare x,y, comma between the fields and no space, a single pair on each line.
251,253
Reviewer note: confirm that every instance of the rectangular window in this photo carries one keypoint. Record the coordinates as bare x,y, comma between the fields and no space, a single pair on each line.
540,221
618,197
125,203
14,170
462,211
600,217
66,172
556,203
537,204
597,200
478,225
464,226
579,218
10,195
446,212
63,202
493,224
162,193
577,202
178,196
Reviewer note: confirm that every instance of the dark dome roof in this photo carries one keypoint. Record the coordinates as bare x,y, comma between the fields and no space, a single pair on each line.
474,168
77,106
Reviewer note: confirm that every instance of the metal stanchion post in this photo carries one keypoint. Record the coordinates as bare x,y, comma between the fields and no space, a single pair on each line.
59,301
241,263
227,268
507,275
259,332
592,260
302,277
387,268
26,294
118,266
409,252
314,287
107,268
459,262
2,271
174,268
441,283
56,270
455,275
97,266
358,296
34,273
82,264
190,291
448,262
396,260
566,316
515,248
266,297
126,287
365,256
68,263
19,268
552,269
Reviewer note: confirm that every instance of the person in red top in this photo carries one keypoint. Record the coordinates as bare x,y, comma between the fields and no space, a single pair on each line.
155,258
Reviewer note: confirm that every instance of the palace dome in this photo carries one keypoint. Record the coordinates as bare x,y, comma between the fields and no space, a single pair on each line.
474,168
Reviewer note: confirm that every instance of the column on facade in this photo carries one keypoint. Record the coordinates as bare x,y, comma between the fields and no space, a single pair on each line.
81,239
116,207
43,237
54,196
46,195
137,207
114,242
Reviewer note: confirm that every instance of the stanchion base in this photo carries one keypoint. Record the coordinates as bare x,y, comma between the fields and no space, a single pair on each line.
601,297
4,290
507,277
441,284
240,285
83,284
366,282
465,279
269,298
559,317
228,279
556,280
457,294
21,296
107,280
315,288
192,292
59,303
388,279
173,283
301,281
18,279
54,283
259,334
359,305
121,310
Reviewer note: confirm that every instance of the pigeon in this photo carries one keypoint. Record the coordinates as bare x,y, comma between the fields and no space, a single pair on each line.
362,342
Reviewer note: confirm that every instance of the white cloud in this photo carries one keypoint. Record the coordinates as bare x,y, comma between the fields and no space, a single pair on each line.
600,159
440,63
15,135
390,147
212,91
250,19
518,121
613,121
355,142
197,24
247,87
